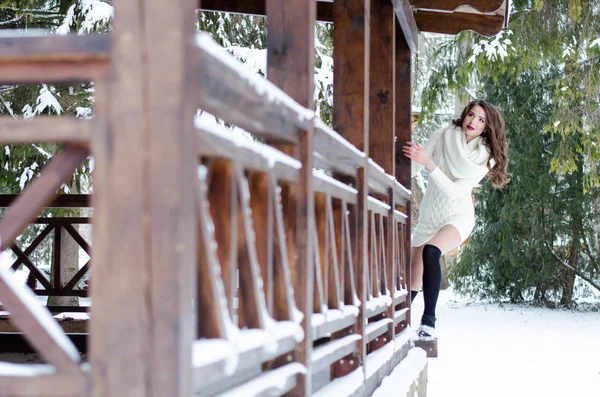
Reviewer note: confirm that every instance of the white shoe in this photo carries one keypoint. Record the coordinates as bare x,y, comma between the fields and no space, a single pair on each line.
425,331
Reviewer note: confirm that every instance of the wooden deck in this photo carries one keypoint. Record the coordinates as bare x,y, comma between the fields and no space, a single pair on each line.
224,266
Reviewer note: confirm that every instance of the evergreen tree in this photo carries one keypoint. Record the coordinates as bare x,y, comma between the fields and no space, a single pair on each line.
533,238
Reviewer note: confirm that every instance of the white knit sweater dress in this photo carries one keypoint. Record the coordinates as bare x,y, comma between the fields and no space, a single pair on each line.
447,200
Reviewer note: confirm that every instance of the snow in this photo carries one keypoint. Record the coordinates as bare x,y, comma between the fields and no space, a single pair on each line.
93,12
241,138
399,381
377,303
262,86
276,379
512,350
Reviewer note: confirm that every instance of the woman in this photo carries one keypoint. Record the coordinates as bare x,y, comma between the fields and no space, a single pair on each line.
458,158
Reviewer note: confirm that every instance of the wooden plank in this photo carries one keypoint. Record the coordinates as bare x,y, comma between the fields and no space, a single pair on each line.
340,154
430,346
213,312
78,239
319,238
351,71
381,85
390,268
237,95
408,27
30,57
360,236
377,328
451,5
34,380
400,315
403,164
48,129
327,353
40,192
120,222
344,320
40,329
262,220
222,196
325,184
456,22
168,30
334,291
31,46
290,47
284,305
252,303
302,266
257,7
32,246
219,143
39,276
272,383
350,292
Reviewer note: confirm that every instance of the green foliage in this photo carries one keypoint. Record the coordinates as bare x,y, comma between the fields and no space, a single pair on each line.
542,72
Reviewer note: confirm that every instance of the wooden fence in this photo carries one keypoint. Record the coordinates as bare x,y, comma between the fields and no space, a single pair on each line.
223,265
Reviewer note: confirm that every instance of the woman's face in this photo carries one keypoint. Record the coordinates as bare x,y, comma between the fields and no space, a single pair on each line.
474,123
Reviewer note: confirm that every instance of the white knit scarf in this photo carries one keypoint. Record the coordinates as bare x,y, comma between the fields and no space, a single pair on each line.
464,159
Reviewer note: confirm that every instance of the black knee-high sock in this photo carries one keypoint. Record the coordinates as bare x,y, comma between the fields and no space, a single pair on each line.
413,295
432,281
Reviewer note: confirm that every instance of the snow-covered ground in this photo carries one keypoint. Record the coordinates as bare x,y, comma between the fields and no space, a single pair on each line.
491,350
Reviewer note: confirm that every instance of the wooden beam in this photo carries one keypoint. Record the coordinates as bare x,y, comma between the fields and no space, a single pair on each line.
40,192
61,201
381,85
451,5
171,166
408,26
290,66
351,49
456,22
403,83
257,7
120,225
403,133
31,380
351,71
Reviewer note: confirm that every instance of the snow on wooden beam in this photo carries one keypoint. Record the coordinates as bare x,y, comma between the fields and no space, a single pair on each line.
407,23
456,22
451,5
32,380
239,96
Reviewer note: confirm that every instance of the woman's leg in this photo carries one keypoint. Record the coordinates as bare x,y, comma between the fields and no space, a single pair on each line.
444,241
416,269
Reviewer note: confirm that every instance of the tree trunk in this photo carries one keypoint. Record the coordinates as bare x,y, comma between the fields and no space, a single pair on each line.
69,261
568,277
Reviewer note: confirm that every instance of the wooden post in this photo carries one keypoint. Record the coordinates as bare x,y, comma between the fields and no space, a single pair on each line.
403,134
290,65
382,84
145,232
351,119
381,115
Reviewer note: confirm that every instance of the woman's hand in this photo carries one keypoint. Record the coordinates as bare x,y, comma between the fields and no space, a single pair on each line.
415,152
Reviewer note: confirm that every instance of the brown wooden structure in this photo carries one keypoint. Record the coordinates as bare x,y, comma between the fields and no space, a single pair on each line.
223,266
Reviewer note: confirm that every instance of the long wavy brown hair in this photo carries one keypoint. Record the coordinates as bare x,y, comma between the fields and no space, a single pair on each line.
494,138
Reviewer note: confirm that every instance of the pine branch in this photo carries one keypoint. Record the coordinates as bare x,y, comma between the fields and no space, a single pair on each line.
577,272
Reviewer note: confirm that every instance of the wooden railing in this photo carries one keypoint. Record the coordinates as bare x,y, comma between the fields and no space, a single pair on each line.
265,205
300,274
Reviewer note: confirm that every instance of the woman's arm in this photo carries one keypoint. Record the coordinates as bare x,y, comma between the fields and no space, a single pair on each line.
423,156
